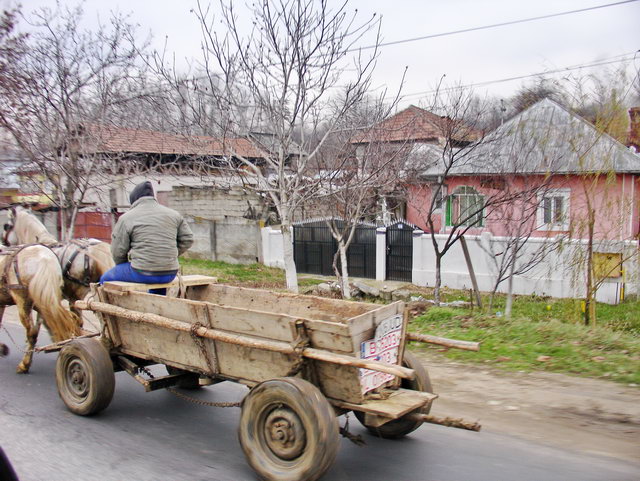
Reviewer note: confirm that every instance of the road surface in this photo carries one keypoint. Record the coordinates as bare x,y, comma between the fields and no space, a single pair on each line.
157,436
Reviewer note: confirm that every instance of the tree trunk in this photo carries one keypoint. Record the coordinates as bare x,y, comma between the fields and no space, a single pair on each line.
436,289
291,273
512,268
589,311
344,278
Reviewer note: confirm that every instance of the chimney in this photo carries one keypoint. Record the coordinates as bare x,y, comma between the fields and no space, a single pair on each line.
633,140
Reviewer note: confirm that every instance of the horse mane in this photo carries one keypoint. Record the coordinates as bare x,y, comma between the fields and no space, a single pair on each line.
101,255
30,230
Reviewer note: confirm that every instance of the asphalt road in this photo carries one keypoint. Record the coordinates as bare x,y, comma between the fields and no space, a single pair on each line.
159,437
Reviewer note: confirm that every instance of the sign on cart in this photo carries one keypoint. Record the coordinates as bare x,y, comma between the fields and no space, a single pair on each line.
383,347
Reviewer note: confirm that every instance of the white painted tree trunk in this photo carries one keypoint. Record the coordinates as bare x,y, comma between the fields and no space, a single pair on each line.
344,278
291,273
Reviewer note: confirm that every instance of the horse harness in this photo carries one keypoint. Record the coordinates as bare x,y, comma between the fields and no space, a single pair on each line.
81,245
12,261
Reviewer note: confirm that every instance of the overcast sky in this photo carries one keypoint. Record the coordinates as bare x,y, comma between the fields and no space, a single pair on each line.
471,58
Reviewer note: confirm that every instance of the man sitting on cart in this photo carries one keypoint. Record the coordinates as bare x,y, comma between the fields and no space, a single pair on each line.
147,241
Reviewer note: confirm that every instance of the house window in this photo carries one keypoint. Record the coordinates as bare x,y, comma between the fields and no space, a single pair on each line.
465,208
553,210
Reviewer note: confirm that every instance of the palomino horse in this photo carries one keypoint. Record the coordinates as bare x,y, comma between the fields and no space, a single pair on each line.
83,261
31,277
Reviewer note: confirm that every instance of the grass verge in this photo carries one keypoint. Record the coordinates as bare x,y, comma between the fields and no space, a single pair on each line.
526,344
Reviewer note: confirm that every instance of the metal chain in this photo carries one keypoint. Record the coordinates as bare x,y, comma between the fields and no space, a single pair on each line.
21,349
191,399
204,403
356,439
198,341
302,342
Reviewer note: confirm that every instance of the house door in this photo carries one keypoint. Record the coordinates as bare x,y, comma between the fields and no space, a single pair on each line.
399,252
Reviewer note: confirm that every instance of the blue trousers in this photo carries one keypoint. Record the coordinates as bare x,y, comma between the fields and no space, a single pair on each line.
124,272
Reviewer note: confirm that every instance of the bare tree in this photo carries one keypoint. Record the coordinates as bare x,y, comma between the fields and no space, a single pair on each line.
359,171
279,81
70,78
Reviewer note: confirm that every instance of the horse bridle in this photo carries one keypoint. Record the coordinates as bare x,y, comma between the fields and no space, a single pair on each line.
8,229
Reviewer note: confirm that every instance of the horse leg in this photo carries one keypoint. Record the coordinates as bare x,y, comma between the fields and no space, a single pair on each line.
24,308
4,349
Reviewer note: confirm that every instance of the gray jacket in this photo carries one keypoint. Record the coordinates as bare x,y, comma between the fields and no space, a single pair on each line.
150,236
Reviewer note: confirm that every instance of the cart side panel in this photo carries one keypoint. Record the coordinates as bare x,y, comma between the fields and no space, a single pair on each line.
151,342
296,305
276,327
250,364
339,382
363,327
180,349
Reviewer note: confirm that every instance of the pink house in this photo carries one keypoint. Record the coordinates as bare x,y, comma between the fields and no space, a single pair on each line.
544,172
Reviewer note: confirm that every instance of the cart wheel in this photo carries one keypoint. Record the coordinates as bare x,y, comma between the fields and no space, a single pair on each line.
288,430
84,376
402,426
190,381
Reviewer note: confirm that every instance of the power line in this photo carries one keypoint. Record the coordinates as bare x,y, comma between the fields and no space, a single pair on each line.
520,77
485,27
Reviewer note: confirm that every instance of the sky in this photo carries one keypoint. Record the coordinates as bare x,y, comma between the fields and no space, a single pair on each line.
476,57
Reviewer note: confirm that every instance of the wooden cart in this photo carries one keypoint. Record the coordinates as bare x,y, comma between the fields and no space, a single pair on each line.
302,357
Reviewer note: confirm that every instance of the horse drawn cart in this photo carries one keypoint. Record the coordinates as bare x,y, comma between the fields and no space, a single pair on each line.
305,359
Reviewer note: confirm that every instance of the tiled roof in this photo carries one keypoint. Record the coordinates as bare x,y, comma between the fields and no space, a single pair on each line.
110,139
414,124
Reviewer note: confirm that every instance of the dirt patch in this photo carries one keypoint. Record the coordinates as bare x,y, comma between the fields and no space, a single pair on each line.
586,415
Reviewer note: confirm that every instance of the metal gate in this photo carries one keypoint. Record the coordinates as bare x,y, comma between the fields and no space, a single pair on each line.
314,248
399,251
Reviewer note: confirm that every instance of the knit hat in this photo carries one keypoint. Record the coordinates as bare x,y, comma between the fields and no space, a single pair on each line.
144,189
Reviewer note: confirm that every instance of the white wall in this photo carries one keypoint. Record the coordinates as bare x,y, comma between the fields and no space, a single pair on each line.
272,247
555,276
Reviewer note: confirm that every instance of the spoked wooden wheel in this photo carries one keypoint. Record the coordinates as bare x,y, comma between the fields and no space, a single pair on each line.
402,426
84,376
288,430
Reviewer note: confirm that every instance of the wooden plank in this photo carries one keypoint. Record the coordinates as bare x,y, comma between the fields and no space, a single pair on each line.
399,403
253,364
296,305
267,325
363,327
339,382
190,280
147,340
333,336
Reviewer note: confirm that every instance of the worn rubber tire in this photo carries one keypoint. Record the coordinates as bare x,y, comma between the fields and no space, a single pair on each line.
191,382
288,430
400,427
84,376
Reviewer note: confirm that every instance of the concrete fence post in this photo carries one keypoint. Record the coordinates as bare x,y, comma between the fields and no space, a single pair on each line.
381,253
417,261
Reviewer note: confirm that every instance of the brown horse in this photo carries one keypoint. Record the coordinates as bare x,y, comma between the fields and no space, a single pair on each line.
83,261
31,277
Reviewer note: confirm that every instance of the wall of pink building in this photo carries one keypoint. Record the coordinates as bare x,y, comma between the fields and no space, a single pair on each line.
615,198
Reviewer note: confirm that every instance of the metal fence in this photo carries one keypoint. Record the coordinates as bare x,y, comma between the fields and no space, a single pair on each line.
314,248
